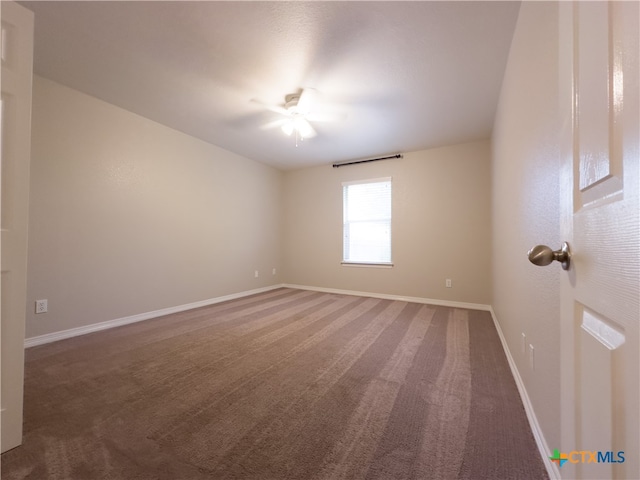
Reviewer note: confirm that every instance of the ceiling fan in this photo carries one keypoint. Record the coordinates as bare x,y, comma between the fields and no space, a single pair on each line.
297,114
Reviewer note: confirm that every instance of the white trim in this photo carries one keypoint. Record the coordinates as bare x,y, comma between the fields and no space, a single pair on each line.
96,327
346,263
430,301
552,469
367,180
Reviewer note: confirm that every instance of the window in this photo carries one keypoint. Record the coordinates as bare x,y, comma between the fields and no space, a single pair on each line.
367,222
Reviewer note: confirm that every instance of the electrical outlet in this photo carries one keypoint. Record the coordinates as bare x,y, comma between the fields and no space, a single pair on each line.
273,272
41,306
447,283
256,274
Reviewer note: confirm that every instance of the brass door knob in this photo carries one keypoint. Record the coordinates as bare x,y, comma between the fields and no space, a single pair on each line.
542,255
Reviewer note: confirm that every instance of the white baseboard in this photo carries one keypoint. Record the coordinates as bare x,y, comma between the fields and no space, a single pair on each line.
96,327
543,448
430,301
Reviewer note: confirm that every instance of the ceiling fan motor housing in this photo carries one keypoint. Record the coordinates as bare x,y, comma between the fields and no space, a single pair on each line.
291,101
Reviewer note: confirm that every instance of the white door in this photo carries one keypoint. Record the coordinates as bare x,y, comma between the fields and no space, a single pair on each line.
599,95
15,138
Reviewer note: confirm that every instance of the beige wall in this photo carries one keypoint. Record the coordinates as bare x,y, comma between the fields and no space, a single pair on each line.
526,298
128,216
441,225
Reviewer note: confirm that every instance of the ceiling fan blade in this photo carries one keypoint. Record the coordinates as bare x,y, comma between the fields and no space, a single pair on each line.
307,100
325,117
305,129
312,133
275,124
272,108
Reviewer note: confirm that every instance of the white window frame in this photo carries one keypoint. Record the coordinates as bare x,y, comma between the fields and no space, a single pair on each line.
359,263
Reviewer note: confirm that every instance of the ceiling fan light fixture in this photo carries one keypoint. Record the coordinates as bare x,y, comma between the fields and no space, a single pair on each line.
303,127
297,112
300,126
287,128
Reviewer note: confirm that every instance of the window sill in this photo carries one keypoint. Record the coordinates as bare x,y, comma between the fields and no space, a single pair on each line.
367,264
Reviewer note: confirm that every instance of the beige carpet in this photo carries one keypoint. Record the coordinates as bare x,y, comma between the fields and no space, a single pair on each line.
287,384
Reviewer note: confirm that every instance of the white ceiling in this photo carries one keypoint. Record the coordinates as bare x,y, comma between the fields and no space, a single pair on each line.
406,75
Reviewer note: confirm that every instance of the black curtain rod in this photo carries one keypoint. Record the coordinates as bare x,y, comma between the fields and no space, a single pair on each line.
336,165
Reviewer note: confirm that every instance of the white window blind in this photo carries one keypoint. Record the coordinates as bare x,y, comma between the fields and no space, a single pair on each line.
367,221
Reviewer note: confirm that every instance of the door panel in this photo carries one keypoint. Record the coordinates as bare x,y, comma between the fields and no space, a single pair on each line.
600,204
598,99
15,143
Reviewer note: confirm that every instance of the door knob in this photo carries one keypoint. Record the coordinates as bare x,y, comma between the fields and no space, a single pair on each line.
542,255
